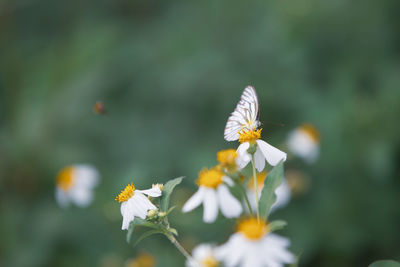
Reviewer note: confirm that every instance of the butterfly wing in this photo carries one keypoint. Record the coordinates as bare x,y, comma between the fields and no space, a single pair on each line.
245,115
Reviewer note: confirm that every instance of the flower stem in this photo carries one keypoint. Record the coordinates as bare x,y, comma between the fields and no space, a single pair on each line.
245,198
255,184
179,247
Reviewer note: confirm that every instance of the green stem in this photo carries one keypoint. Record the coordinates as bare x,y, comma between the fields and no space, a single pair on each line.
245,198
179,247
255,184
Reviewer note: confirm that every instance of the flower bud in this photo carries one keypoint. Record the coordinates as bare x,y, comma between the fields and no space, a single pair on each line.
162,214
152,213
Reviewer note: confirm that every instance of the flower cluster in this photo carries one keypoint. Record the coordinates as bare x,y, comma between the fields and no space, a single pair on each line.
241,187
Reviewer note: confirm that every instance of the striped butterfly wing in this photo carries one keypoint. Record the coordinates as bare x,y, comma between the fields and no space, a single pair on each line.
245,115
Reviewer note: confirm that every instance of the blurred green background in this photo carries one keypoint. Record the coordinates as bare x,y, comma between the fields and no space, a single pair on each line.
169,73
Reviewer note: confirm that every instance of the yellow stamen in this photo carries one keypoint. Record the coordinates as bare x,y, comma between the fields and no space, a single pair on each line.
209,261
126,194
227,159
260,181
66,178
253,229
249,136
311,131
210,178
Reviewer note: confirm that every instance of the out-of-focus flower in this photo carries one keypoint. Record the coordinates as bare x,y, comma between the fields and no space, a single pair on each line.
214,195
99,108
75,184
304,142
253,246
143,260
282,192
203,256
134,203
263,150
298,181
227,160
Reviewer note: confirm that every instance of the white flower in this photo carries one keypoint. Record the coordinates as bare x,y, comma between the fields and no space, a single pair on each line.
75,184
135,203
264,151
214,195
304,142
203,256
253,246
283,192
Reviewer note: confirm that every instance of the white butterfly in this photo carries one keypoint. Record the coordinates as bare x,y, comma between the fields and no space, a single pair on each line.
244,117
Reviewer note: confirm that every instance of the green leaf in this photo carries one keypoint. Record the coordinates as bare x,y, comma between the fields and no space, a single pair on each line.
147,234
276,225
130,232
268,197
385,263
166,194
140,222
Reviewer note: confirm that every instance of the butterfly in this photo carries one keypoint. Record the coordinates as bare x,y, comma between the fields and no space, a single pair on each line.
245,116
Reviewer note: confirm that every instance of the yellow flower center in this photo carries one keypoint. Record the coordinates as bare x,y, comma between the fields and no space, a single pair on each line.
260,181
209,261
126,194
253,229
210,178
227,159
249,136
66,178
311,131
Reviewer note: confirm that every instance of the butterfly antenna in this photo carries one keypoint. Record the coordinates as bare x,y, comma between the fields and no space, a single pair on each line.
274,123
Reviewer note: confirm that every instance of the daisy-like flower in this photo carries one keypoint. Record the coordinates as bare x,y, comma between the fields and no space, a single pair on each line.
214,194
203,256
227,160
134,203
253,246
304,142
264,151
283,193
75,184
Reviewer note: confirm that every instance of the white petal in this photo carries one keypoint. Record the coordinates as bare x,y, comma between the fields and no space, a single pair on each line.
243,157
259,160
153,192
271,154
203,251
302,145
82,197
252,261
276,247
232,251
127,214
86,176
228,180
195,200
210,205
143,204
62,198
230,206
